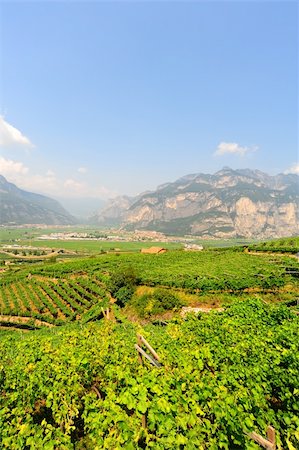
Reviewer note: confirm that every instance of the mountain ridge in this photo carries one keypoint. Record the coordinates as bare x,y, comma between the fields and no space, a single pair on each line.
23,207
229,203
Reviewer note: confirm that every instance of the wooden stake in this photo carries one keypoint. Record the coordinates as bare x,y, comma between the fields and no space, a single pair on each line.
143,353
139,343
271,436
143,421
96,391
148,346
268,444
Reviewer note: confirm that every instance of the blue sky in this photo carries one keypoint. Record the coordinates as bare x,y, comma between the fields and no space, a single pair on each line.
118,97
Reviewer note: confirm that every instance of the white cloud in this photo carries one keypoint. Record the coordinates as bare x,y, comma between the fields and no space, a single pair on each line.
233,148
11,136
8,167
293,169
82,170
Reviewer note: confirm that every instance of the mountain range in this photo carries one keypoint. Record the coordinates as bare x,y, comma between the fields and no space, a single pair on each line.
21,207
230,203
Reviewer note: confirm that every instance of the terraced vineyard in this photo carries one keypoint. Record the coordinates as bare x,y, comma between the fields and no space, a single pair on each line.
283,245
54,301
62,292
80,385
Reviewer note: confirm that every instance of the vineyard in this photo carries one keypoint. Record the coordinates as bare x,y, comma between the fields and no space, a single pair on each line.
77,290
78,382
284,245
51,300
222,375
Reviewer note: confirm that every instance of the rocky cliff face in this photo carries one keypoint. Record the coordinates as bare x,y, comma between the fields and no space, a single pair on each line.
22,207
230,203
113,213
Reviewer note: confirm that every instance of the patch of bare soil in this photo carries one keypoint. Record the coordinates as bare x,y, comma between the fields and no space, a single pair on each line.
24,320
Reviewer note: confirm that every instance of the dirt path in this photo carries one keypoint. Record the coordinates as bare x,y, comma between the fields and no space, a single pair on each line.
30,258
189,309
10,328
290,255
24,320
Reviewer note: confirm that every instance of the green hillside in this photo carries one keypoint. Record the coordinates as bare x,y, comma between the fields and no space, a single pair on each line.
282,245
66,291
71,378
222,374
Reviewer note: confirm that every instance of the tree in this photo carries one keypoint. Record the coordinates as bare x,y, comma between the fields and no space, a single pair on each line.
122,284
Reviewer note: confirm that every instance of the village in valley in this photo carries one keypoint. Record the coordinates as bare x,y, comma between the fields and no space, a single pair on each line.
36,247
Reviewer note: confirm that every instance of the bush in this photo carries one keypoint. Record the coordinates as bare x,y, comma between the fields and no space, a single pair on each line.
158,302
124,294
122,284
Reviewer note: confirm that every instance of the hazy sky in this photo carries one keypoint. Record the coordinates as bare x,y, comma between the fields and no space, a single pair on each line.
99,98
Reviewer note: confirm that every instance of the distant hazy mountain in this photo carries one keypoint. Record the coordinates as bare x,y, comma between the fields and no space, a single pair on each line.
81,208
113,213
20,207
230,203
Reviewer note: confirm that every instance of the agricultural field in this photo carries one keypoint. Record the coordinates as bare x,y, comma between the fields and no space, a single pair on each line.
29,238
53,301
65,291
221,375
95,247
71,377
283,245
13,234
